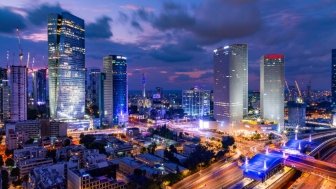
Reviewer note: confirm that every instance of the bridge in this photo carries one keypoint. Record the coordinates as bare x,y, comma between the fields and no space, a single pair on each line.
292,155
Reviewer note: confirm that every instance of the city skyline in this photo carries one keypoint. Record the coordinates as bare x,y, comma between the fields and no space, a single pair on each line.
165,50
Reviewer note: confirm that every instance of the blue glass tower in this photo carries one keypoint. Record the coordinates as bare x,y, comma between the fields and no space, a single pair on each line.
115,89
333,80
66,64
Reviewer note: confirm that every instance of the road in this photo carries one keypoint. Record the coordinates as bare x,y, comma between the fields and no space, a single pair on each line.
219,174
313,181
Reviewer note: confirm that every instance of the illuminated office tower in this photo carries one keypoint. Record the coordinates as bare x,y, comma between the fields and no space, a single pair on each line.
115,89
95,91
40,86
272,88
333,80
231,83
4,95
196,102
18,93
66,66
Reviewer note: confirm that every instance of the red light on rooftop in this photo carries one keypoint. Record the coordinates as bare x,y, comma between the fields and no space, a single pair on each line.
274,56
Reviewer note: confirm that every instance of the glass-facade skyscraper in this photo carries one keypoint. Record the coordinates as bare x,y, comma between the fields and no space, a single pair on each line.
66,66
196,102
272,75
40,86
333,80
115,89
231,83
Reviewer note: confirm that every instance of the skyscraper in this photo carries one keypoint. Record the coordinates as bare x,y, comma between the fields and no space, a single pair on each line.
196,102
66,66
115,89
272,88
333,80
231,83
95,91
18,93
4,95
40,86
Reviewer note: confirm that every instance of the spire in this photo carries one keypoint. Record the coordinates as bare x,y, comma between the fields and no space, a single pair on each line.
143,85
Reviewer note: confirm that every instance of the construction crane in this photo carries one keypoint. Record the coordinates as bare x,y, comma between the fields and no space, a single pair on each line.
20,49
299,99
289,92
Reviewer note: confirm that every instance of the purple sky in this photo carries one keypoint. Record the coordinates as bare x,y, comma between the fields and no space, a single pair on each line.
172,41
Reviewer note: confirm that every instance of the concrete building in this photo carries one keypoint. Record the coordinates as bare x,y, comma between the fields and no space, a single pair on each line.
18,93
51,176
272,80
66,66
196,102
29,153
4,95
31,127
93,179
27,165
115,89
296,113
333,80
231,83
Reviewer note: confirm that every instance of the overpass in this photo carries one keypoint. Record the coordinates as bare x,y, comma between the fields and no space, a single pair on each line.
291,156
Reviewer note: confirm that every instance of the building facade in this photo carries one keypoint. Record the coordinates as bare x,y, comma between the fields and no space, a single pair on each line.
196,102
115,89
272,75
333,80
66,66
40,86
231,83
18,93
4,95
95,91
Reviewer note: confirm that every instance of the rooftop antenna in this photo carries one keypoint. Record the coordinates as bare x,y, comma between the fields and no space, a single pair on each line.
20,48
28,57
7,58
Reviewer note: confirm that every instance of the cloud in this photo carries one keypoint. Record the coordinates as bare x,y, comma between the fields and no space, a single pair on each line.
211,21
10,21
135,24
39,15
99,29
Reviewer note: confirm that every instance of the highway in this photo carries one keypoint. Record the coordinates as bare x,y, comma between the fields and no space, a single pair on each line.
218,175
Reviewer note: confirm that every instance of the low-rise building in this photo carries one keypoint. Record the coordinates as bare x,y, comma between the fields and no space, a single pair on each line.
27,165
149,159
29,153
91,179
51,176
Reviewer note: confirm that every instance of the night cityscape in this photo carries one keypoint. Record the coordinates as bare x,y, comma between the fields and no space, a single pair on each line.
212,94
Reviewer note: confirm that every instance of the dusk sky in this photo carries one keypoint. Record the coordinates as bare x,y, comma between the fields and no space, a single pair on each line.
172,42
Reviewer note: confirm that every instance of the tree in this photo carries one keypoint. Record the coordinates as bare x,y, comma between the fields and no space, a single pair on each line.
227,141
172,149
10,162
66,142
4,177
15,172
1,161
8,152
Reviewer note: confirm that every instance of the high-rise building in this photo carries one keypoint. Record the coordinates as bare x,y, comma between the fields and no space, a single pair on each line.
231,83
272,77
333,79
18,93
296,113
40,86
115,89
4,95
66,66
196,102
95,91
